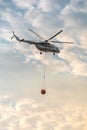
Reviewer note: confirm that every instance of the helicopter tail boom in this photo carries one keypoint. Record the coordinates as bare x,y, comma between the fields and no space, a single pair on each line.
23,40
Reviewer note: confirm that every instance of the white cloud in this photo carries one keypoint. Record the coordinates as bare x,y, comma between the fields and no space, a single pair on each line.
64,106
48,6
77,66
76,6
26,3
38,18
75,17
75,26
25,113
83,5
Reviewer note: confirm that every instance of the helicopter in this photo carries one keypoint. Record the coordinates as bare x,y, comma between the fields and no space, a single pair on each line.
44,45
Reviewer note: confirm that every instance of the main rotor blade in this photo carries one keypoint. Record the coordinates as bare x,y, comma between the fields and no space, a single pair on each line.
36,34
61,42
54,35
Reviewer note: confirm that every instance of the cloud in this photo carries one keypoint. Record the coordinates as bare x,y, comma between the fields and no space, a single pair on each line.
48,6
76,6
35,14
75,21
22,106
26,4
25,113
78,67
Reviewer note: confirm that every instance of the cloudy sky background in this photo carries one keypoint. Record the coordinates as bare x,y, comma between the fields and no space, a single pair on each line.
22,107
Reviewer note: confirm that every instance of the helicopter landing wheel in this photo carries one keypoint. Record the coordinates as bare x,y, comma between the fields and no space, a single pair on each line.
40,52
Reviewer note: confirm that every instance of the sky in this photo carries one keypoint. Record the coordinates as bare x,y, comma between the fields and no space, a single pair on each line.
64,106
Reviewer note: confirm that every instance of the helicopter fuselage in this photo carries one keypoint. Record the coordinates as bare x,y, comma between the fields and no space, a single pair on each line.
47,47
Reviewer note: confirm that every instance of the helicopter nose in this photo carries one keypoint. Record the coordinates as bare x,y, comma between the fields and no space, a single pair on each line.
58,51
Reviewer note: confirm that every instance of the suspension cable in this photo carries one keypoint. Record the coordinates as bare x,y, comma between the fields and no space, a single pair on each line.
44,71
43,90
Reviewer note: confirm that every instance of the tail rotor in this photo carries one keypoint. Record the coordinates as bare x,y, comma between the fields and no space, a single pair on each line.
13,35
